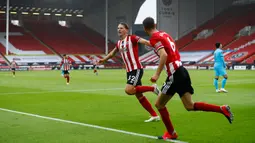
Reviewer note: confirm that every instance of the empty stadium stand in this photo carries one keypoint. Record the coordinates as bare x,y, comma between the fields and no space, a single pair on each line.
225,25
22,42
61,39
250,60
93,36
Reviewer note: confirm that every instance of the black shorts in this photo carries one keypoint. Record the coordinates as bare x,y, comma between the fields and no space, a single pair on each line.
135,77
94,67
66,72
13,69
179,82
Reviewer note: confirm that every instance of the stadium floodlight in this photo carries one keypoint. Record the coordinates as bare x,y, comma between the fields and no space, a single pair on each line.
36,13
13,12
2,11
57,14
47,14
24,13
68,14
79,15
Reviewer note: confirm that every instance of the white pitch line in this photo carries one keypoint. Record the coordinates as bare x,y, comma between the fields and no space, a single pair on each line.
88,125
112,89
42,92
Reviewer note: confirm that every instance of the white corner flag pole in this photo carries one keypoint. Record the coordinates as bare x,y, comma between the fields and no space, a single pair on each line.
106,27
7,26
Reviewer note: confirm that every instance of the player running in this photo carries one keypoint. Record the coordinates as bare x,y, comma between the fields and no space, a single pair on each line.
13,66
219,68
66,63
128,48
94,62
178,79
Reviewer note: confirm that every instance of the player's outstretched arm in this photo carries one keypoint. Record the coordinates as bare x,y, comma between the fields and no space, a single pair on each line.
145,42
110,55
163,57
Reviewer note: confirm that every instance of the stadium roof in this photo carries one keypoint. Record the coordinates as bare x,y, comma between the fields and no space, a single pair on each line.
73,6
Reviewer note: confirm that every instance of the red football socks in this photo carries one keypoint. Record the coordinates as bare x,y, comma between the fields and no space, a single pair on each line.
207,107
166,119
67,79
147,106
142,89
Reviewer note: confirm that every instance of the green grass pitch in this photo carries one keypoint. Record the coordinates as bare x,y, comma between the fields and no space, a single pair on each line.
101,100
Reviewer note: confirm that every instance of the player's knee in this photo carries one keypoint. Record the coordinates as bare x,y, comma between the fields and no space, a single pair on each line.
217,78
226,77
159,106
189,106
130,91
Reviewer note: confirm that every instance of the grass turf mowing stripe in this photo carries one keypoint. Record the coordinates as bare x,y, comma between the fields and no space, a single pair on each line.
42,92
88,125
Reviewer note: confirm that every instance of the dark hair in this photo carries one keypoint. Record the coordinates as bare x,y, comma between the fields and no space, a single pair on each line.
64,55
149,23
124,24
217,45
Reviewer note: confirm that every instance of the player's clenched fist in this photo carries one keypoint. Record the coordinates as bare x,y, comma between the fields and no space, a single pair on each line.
100,61
154,78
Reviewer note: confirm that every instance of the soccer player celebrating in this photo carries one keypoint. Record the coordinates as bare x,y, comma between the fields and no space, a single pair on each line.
66,63
219,68
178,79
13,67
128,48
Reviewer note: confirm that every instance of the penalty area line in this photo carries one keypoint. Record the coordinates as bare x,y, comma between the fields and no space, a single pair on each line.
87,125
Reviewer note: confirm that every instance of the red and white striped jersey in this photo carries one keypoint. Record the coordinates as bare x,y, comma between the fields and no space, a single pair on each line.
162,40
13,64
128,49
66,63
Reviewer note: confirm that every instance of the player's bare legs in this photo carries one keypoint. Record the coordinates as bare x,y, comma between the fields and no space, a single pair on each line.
161,106
130,90
201,106
13,73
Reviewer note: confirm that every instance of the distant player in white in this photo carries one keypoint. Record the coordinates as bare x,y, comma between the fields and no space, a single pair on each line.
94,62
13,66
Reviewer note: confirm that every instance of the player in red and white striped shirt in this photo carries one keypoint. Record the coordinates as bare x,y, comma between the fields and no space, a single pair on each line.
178,79
127,46
66,63
13,66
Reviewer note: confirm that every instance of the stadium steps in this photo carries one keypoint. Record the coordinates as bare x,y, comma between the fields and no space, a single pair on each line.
249,60
44,44
231,42
225,17
185,45
6,60
85,38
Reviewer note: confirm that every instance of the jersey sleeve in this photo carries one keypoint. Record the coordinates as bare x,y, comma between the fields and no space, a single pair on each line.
156,43
135,39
